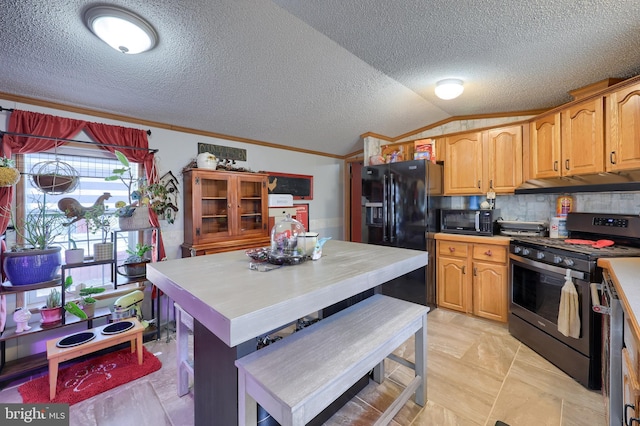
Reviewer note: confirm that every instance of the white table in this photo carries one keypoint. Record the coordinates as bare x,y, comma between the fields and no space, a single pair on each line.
232,305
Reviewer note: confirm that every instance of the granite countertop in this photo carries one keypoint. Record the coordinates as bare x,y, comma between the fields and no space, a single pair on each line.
625,272
496,239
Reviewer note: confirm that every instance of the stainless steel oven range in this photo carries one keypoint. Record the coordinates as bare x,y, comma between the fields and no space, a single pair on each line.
538,266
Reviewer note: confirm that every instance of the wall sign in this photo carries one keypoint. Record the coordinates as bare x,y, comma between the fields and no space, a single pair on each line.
223,152
300,186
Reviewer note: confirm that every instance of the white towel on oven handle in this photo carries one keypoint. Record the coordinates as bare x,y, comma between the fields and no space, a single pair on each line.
569,312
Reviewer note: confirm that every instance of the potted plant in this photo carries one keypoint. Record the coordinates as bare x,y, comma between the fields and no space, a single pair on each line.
9,175
73,255
135,265
133,215
52,311
35,259
85,307
100,223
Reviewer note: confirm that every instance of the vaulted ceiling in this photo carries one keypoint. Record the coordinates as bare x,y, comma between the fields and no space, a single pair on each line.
316,75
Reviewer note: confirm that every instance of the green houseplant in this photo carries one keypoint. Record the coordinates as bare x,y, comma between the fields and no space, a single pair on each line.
135,264
35,259
134,214
141,196
100,223
74,254
85,307
52,311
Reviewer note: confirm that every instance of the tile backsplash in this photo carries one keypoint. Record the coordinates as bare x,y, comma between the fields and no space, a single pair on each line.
537,207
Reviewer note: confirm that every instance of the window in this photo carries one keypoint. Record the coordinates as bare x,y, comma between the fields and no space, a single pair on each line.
92,166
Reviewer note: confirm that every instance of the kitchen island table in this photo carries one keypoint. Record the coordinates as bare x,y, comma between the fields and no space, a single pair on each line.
232,305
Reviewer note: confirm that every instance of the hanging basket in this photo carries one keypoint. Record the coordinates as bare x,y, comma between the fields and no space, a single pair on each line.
9,176
54,177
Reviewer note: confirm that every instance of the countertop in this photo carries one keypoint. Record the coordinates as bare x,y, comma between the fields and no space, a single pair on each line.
625,272
237,304
496,239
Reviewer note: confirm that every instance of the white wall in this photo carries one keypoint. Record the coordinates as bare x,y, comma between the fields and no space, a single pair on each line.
176,150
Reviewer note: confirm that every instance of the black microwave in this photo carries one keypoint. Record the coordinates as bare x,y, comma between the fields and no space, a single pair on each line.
469,222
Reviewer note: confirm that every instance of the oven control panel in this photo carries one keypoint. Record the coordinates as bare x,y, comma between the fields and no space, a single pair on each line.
610,221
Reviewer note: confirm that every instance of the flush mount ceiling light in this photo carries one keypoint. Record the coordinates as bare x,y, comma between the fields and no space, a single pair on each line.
121,29
449,89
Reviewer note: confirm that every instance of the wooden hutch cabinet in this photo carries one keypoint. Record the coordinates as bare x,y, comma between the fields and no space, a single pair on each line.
224,211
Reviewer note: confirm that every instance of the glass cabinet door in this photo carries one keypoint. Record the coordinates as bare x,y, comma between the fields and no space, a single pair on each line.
215,205
251,206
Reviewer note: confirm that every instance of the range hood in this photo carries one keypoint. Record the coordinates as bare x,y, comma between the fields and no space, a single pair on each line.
597,182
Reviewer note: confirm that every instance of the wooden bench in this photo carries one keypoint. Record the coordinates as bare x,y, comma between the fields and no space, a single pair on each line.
295,378
56,355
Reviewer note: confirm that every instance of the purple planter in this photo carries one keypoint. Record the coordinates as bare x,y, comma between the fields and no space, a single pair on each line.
31,266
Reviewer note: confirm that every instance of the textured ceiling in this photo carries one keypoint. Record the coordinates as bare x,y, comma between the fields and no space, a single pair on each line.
317,74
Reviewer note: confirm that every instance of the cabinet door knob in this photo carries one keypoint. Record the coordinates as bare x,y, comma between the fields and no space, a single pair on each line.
475,272
452,249
612,157
478,184
488,253
464,270
555,166
566,164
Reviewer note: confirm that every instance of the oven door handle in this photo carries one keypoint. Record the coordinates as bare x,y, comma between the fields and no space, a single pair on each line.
549,268
596,306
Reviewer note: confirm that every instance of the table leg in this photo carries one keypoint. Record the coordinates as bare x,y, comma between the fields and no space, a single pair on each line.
53,378
215,386
139,347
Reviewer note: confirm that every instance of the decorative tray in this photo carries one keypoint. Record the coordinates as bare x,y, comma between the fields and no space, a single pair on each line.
264,254
259,254
286,259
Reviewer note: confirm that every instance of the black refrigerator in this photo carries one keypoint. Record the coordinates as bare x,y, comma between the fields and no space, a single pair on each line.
401,203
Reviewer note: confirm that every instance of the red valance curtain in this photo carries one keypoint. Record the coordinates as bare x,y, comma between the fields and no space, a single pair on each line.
127,138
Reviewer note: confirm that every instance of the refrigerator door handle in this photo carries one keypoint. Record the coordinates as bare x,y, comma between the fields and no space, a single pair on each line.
392,208
385,212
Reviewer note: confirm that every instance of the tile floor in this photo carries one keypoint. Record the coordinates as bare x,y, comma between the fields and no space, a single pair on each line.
477,374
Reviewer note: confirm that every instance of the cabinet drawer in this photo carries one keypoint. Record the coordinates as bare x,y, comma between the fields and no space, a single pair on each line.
448,248
490,253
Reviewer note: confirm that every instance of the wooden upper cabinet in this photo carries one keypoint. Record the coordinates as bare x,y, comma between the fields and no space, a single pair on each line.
463,172
476,162
583,138
503,148
623,129
570,142
544,148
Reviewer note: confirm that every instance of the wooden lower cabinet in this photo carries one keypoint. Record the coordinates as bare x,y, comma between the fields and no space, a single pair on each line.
631,388
473,278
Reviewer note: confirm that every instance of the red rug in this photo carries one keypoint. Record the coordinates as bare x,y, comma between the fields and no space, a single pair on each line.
88,378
